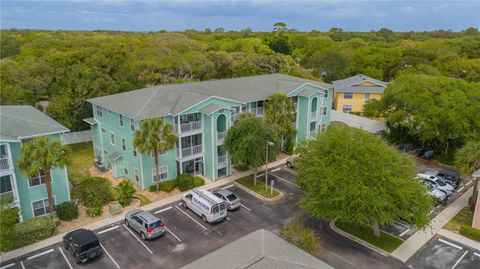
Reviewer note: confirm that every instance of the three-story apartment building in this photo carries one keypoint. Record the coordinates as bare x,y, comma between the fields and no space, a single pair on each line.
18,124
201,113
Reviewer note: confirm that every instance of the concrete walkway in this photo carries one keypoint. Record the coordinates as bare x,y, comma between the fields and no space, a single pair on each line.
108,221
460,239
418,239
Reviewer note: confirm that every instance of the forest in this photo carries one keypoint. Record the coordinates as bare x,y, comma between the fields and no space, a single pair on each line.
57,71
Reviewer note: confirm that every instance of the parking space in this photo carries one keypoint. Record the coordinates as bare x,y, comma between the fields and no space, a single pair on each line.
399,229
442,253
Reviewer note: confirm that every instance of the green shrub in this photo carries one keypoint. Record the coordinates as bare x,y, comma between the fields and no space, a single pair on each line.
185,182
198,181
94,191
153,188
241,167
168,186
470,232
31,231
67,211
94,211
302,237
125,192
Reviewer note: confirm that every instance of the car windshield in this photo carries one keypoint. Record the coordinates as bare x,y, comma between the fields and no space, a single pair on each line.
89,246
231,197
441,182
154,225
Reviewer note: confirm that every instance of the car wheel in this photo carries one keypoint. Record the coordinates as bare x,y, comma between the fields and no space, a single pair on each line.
204,218
289,165
126,223
143,236
185,204
65,245
77,260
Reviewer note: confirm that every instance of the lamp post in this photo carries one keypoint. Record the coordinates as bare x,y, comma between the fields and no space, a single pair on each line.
269,143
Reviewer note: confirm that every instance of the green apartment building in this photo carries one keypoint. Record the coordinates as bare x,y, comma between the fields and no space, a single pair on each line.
18,124
201,113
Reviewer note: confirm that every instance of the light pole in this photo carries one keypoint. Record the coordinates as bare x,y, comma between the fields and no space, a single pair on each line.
269,143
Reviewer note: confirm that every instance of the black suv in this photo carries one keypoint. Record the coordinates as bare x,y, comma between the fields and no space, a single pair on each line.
82,244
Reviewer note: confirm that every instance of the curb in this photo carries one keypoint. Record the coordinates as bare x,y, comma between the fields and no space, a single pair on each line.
459,238
276,198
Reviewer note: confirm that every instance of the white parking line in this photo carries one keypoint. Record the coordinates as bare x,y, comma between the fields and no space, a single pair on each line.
286,181
476,254
227,218
8,265
40,254
65,257
229,186
260,175
455,265
276,169
23,266
109,229
185,213
168,230
450,244
245,207
404,232
110,256
143,244
162,210
461,189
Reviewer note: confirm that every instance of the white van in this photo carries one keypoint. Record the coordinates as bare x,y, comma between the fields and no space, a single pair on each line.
205,204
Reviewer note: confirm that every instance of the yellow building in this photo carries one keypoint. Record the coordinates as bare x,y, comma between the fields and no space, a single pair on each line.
352,93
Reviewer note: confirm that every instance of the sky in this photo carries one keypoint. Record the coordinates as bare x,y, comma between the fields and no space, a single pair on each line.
155,15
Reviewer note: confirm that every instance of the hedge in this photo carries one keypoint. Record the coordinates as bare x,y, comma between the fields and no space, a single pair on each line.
31,231
470,232
185,182
198,181
67,211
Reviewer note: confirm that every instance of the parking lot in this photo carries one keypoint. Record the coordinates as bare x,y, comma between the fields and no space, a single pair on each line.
442,253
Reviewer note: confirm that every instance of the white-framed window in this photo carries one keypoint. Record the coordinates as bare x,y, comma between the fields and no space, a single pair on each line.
347,108
104,131
36,181
348,95
124,144
99,111
40,208
323,127
367,96
160,154
132,125
323,110
163,170
313,126
121,121
325,94
136,174
112,139
134,151
125,168
109,112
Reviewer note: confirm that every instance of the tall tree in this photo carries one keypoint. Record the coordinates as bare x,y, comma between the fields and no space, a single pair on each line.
280,113
153,137
467,158
38,156
246,141
344,179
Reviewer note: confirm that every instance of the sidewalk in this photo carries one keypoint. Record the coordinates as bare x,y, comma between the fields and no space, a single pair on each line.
460,239
418,239
105,222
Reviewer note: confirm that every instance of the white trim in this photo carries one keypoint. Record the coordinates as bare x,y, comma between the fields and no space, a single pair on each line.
297,114
46,198
132,123
66,177
203,143
213,147
367,79
213,96
110,138
39,185
308,118
45,134
141,172
159,171
307,83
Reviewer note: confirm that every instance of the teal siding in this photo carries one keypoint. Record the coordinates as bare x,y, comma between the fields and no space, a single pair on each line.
208,146
302,114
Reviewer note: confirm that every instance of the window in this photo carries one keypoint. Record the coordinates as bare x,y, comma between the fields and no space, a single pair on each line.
40,208
323,110
112,138
124,145
347,108
348,95
312,126
99,111
134,151
325,94
125,168
121,121
163,170
323,127
132,125
136,174
160,154
36,181
367,96
6,185
104,131
109,111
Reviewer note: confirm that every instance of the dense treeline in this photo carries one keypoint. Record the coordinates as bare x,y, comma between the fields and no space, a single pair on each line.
58,70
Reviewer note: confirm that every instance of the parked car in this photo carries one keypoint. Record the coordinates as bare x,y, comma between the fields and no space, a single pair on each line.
230,199
406,147
425,153
437,183
83,245
145,223
440,196
291,162
205,204
448,176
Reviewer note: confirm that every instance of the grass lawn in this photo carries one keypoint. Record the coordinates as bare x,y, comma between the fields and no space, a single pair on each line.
143,200
259,188
82,160
464,217
385,241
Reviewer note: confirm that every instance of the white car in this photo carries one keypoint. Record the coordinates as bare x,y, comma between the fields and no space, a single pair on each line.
437,183
440,196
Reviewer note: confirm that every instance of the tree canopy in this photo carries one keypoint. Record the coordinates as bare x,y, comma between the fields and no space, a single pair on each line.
350,175
280,113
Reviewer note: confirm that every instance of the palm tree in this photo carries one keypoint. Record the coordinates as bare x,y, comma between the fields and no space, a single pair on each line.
280,113
155,136
38,156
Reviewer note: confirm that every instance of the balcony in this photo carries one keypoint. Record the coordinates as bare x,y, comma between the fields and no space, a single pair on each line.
4,163
190,151
313,115
220,137
8,194
222,161
189,127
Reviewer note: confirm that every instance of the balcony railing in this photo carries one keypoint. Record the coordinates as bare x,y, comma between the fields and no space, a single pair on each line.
4,163
182,153
222,160
221,137
190,126
313,115
8,194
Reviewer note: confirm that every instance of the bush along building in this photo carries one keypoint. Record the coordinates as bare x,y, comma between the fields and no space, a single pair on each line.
18,124
200,113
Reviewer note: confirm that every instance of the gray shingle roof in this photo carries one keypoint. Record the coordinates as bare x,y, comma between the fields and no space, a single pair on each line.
212,108
258,250
175,98
25,121
348,85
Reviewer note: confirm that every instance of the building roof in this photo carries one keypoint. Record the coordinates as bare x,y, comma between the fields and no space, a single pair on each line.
90,121
258,250
172,99
351,85
18,122
212,108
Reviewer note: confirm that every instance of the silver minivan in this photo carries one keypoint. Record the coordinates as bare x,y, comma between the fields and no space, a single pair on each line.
145,223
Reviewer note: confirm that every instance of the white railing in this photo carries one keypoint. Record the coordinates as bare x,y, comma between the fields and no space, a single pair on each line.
222,160
4,163
190,126
220,137
7,194
189,151
313,115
